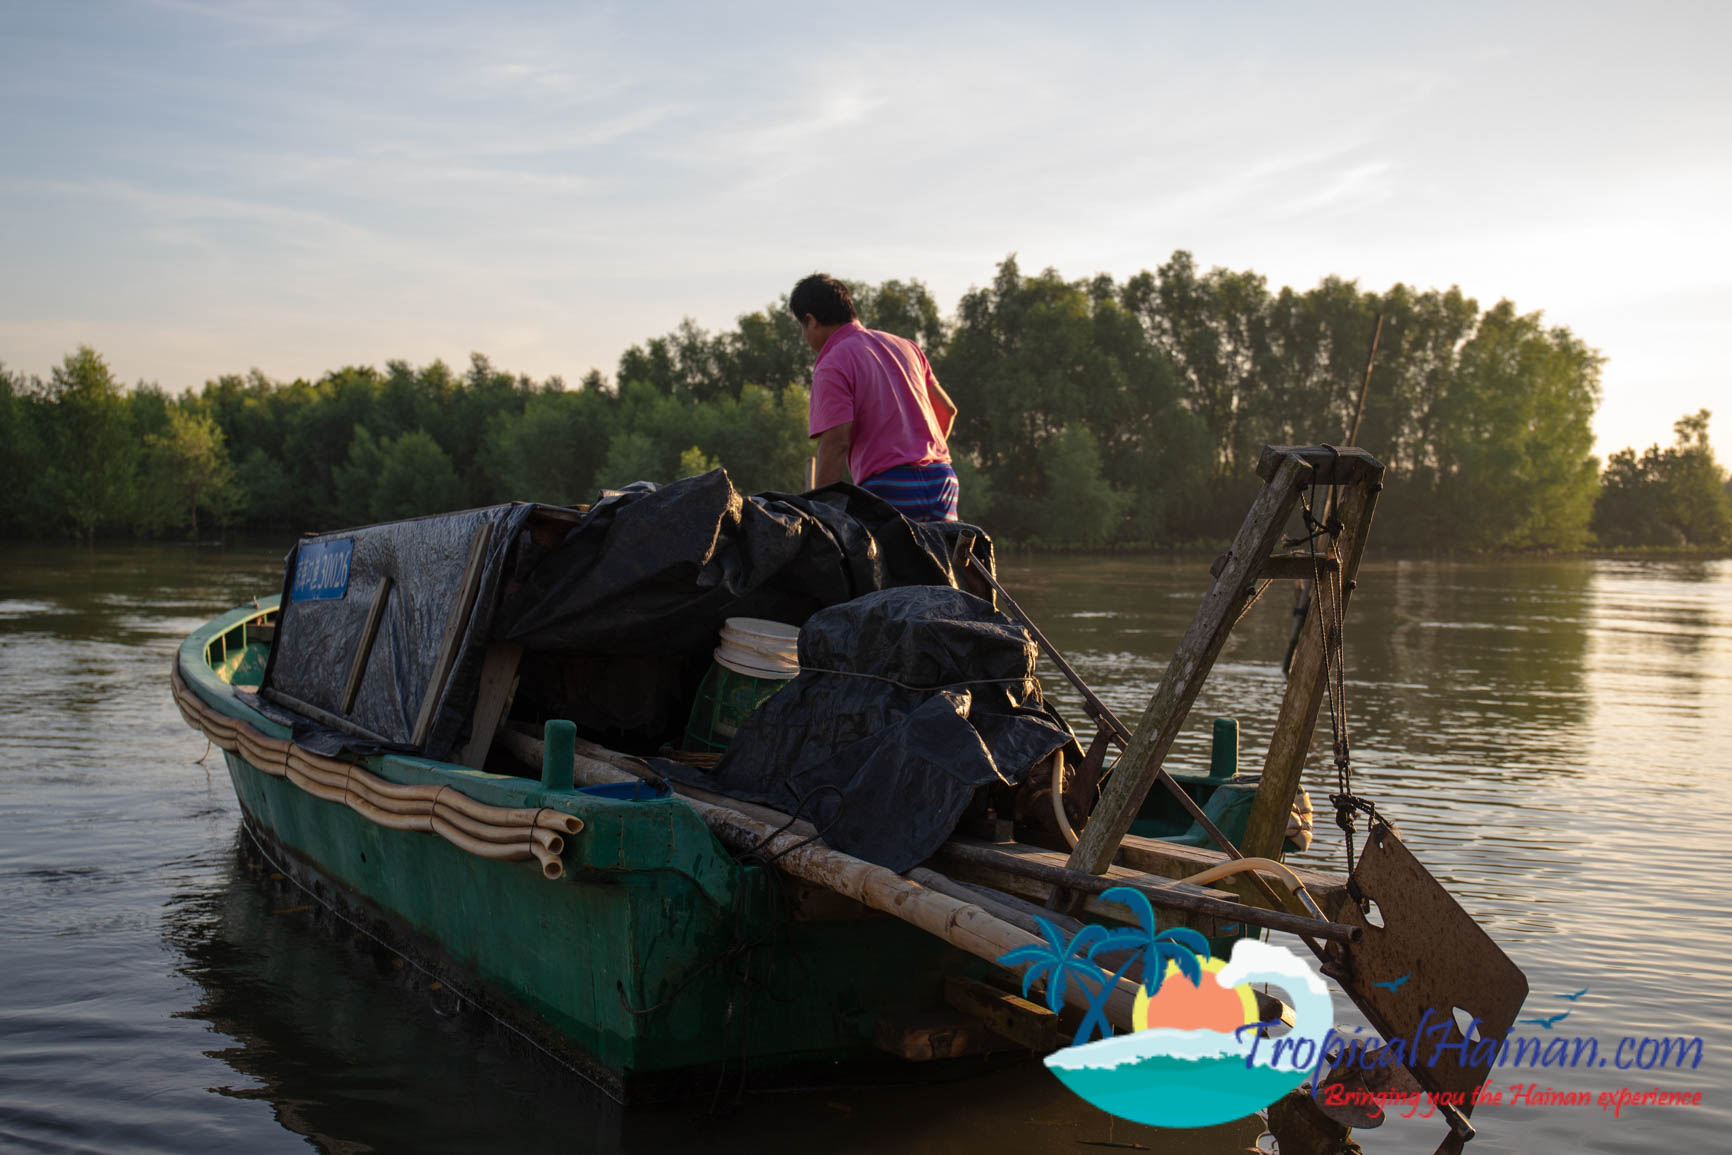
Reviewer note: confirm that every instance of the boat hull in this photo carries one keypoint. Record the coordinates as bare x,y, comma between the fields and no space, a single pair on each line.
655,963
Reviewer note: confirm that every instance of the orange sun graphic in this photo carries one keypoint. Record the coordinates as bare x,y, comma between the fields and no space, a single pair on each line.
1207,1006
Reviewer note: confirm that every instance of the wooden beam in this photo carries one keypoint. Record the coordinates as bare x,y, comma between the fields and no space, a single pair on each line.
1160,892
1140,764
334,721
1343,465
363,651
1040,894
1291,567
1266,829
1283,566
1016,1019
456,622
492,700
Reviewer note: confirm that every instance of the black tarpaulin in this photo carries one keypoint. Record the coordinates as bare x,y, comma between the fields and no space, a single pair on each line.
617,610
908,701
429,636
619,619
657,570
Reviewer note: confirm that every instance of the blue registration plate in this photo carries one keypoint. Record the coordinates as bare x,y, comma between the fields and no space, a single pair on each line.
322,570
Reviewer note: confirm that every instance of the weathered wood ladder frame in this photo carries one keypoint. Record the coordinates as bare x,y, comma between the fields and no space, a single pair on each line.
1287,471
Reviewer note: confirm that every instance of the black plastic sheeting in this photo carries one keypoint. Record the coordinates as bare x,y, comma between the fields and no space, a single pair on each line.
657,570
619,619
913,696
908,702
425,560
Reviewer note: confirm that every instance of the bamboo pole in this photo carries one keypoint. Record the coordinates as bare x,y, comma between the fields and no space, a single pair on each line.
1017,912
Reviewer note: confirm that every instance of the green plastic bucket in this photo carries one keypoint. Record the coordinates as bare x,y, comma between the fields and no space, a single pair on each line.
726,698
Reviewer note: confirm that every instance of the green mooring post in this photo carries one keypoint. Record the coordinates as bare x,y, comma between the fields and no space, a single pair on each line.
558,745
1223,748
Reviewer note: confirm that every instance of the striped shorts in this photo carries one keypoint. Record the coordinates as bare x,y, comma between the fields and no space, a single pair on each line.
919,492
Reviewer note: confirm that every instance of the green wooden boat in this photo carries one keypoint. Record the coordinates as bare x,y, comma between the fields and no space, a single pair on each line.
385,760
658,959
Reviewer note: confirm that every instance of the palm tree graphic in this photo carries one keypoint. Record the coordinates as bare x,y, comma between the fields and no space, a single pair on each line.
1060,962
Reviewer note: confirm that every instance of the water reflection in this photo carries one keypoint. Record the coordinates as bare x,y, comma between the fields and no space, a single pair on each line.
350,1047
1551,736
358,1051
1555,739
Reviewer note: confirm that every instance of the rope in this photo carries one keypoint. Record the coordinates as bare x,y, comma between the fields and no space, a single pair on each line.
740,953
458,992
919,689
1329,597
800,800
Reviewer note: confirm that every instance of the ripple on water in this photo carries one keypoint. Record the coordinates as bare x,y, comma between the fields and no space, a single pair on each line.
1555,740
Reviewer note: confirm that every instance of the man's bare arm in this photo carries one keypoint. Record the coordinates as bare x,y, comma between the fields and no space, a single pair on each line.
833,446
942,406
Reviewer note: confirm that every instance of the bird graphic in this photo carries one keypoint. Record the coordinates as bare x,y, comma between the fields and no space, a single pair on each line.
1548,1020
1575,996
1395,984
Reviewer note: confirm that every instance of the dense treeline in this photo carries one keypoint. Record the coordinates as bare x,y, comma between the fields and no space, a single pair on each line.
1092,413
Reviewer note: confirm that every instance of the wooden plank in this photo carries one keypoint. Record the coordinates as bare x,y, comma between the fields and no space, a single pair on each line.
1175,860
1091,908
1343,465
456,622
1294,567
1449,959
1016,1019
334,721
1266,829
951,1038
363,651
492,699
1161,892
1140,764
1283,566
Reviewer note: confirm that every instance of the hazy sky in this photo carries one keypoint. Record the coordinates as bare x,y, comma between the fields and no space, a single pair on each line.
202,187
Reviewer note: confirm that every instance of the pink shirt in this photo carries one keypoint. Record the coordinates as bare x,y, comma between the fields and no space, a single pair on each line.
881,383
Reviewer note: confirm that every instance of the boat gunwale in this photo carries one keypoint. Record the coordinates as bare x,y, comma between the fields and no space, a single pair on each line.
644,835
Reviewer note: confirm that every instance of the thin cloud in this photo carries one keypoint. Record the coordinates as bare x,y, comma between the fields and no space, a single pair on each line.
278,22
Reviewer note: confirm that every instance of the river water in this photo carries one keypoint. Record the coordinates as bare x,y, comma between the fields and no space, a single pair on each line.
1554,739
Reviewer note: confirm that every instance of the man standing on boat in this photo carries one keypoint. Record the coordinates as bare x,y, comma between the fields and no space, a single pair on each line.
876,407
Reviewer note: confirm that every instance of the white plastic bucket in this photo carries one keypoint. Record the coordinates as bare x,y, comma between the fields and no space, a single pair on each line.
759,648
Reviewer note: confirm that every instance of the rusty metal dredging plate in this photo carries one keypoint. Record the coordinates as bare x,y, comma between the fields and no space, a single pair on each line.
1450,962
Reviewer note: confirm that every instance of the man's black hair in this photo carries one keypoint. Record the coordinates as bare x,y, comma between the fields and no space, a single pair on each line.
824,297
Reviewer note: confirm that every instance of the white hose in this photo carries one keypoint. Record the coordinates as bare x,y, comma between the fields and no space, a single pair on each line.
1058,798
1279,869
